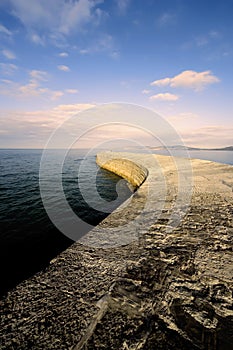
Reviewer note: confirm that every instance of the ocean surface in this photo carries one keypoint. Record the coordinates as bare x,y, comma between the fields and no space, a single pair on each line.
28,239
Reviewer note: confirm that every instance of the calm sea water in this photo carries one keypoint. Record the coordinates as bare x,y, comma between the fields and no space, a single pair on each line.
28,239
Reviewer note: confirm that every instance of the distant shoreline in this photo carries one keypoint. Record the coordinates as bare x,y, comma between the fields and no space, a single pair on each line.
186,148
159,148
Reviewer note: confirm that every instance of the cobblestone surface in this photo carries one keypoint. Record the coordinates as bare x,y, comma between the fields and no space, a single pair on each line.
168,287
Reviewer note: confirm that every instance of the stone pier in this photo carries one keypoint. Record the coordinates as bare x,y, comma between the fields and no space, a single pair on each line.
155,274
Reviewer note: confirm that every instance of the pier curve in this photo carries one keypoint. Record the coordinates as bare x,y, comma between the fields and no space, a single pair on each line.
164,290
130,170
161,183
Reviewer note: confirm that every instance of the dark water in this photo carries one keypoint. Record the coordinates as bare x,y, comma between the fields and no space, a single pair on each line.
28,239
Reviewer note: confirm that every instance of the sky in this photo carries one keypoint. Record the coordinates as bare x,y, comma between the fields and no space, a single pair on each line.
60,57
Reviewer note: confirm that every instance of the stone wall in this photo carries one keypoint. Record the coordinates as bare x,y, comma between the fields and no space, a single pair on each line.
129,170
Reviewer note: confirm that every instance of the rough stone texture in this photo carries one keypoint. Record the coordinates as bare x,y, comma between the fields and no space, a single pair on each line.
170,287
131,171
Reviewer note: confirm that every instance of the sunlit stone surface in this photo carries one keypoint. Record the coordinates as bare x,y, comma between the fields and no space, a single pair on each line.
155,274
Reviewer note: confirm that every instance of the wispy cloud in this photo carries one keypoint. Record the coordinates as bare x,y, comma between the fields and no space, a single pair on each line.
166,18
211,38
55,16
34,88
183,117
63,68
194,131
164,97
8,68
203,40
102,43
4,30
115,54
9,54
54,95
63,54
56,22
84,51
41,123
188,79
71,91
123,5
70,109
33,128
209,136
76,14
37,39
215,34
146,92
39,75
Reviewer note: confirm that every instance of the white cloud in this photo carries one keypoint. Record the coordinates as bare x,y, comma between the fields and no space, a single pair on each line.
205,39
161,82
165,97
188,79
51,22
39,75
201,41
123,5
115,54
17,127
9,54
209,136
215,34
4,30
63,68
8,68
56,94
63,54
84,51
146,92
71,91
56,16
37,39
183,117
41,123
166,18
71,109
32,88
211,38
195,132
75,14
103,43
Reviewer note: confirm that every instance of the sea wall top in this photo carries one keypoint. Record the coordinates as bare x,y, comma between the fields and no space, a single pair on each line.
128,169
131,273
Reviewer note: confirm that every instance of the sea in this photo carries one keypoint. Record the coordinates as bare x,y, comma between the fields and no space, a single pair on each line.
28,238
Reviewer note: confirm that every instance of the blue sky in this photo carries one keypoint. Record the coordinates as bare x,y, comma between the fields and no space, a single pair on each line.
60,57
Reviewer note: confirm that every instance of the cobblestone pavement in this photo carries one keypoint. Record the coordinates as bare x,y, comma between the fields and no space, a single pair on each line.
167,285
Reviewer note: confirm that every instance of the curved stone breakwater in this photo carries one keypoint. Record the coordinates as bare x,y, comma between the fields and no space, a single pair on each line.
135,173
168,285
